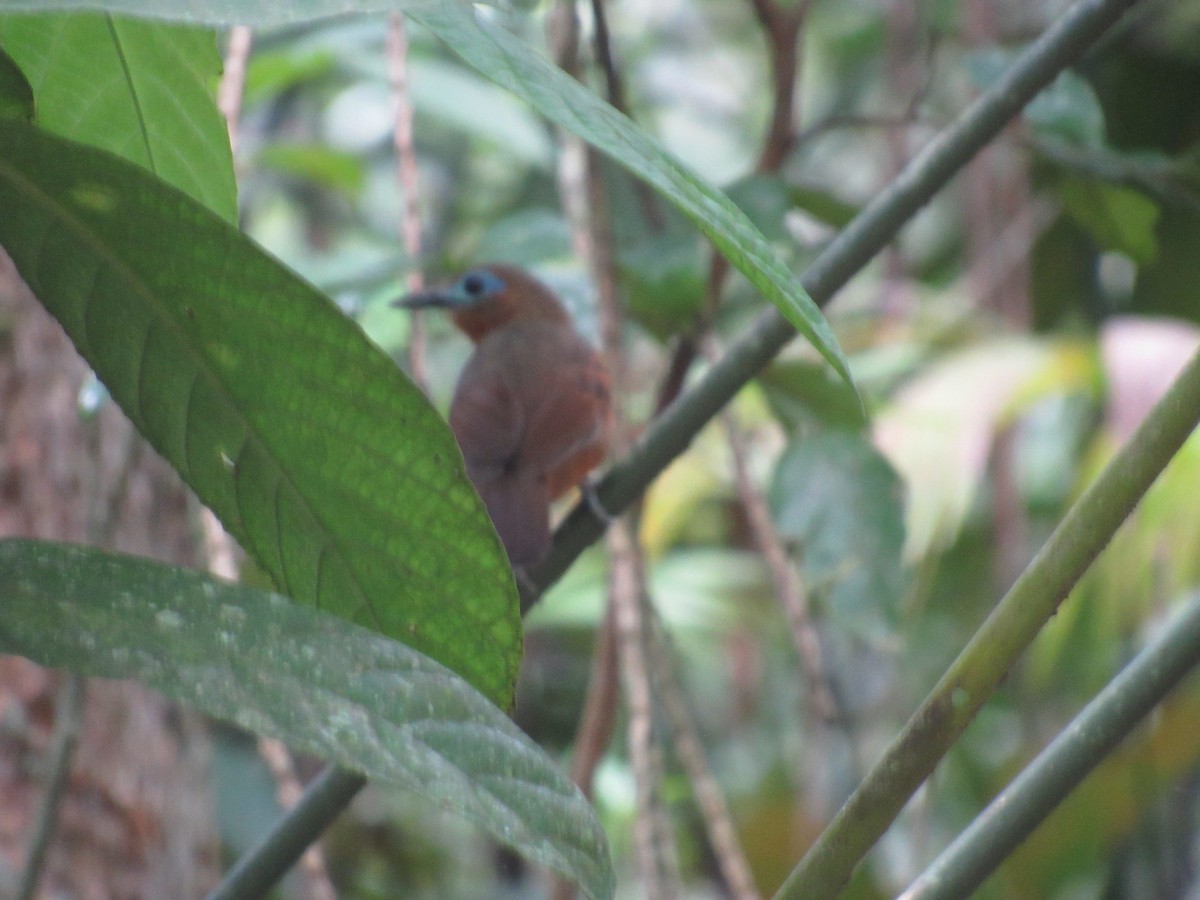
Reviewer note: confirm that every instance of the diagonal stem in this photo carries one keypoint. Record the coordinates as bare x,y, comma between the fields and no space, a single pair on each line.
1013,815
1055,50
1058,47
971,679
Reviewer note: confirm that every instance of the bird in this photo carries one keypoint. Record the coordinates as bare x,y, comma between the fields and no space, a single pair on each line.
532,409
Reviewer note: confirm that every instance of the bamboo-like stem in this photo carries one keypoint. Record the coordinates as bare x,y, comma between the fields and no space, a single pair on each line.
972,678
1013,815
1057,48
322,802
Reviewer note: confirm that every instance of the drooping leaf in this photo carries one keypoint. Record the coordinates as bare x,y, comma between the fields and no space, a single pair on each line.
765,199
456,95
516,66
16,96
801,392
822,204
143,90
664,278
316,163
938,429
842,504
293,673
1117,218
311,446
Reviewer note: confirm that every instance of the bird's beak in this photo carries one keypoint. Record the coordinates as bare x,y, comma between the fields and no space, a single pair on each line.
424,299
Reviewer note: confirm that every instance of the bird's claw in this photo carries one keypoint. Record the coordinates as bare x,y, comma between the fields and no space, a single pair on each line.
591,500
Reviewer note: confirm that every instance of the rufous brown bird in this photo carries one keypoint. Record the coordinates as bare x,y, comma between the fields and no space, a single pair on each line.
532,410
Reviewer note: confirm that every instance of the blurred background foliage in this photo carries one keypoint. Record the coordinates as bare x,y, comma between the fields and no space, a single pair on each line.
1006,343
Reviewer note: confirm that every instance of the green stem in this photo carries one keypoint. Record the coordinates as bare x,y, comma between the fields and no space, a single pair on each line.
1059,47
870,231
322,802
1080,747
1085,530
68,720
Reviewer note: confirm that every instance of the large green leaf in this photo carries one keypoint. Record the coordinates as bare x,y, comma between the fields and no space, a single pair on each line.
141,89
837,498
318,683
513,64
311,446
16,96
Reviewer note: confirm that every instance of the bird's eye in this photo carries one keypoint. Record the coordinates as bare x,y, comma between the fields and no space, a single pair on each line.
474,285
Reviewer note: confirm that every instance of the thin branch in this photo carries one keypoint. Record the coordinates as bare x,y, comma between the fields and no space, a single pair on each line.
1056,49
68,718
323,801
1160,180
583,194
410,188
781,26
718,822
582,191
233,79
614,88
839,121
654,843
599,707
1013,815
288,790
596,723
220,550
789,586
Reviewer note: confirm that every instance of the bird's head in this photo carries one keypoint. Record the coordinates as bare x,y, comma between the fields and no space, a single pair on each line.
489,297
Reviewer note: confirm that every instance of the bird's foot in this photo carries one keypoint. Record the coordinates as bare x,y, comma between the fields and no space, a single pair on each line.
591,500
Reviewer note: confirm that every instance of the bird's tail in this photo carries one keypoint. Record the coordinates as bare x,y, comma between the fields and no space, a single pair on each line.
520,511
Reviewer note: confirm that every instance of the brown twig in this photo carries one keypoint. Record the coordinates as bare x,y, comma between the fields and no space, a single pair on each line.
654,843
838,121
599,712
408,176
233,79
581,190
788,584
714,811
614,88
68,719
781,26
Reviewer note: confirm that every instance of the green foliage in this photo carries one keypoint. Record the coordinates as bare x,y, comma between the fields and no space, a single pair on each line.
842,505
507,60
1117,218
16,96
802,392
140,89
293,673
324,461
664,279
984,434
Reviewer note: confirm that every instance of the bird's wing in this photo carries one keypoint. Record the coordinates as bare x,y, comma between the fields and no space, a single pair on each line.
487,417
569,419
